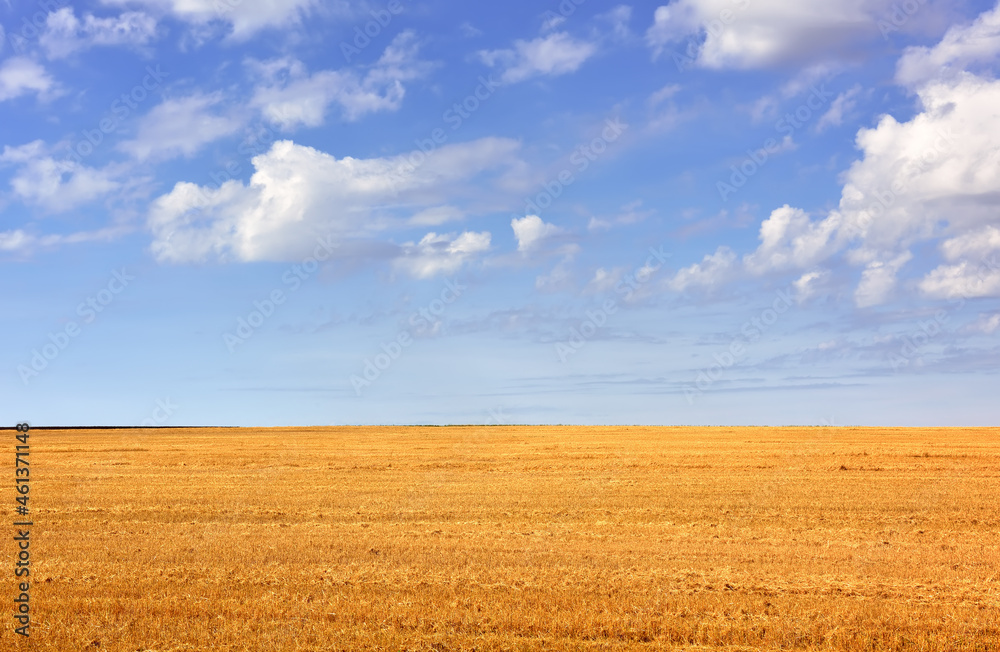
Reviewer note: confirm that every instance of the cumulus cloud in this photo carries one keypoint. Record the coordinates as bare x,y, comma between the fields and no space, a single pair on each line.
965,279
181,127
976,244
963,47
298,194
531,231
552,55
790,240
932,178
65,34
21,75
55,185
762,33
290,97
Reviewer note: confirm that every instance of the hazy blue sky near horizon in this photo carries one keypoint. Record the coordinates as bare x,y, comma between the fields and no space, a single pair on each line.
249,212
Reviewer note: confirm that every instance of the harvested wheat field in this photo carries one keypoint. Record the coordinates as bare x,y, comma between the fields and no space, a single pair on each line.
514,538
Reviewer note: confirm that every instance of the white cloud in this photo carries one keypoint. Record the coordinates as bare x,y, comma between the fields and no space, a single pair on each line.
931,178
54,185
711,272
299,193
535,236
961,48
977,270
941,165
966,279
65,34
662,95
531,231
672,23
23,153
789,240
935,175
974,270
302,99
14,240
180,127
552,55
442,254
21,75
761,33
246,17
20,241
974,244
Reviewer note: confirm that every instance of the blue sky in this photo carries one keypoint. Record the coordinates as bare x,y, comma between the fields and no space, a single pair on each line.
249,212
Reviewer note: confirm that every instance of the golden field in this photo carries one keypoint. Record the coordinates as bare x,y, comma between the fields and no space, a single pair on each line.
511,538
